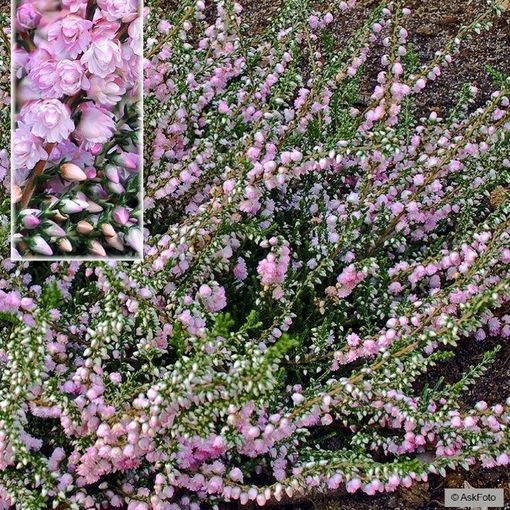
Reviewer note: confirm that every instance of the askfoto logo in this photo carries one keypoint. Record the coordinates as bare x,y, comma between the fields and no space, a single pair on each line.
472,497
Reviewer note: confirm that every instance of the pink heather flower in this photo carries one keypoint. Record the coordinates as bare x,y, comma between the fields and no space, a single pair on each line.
503,459
164,26
70,77
348,280
119,10
107,91
43,75
353,485
49,119
214,298
96,124
272,270
236,475
27,150
70,36
313,21
121,215
103,57
240,269
27,17
136,35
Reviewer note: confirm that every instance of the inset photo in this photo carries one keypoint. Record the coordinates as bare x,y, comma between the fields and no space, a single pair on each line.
76,165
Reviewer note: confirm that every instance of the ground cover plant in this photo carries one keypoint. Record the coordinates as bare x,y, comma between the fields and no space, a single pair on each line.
76,143
307,263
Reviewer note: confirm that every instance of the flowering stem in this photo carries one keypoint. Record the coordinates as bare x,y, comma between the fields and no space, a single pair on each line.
30,186
28,41
91,4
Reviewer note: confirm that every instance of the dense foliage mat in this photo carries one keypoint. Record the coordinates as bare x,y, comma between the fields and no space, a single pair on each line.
308,260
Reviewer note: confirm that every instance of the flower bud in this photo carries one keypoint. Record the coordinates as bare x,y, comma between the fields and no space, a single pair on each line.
84,227
93,207
39,245
91,172
135,239
115,242
121,215
72,206
108,230
54,230
96,149
31,221
128,160
72,172
112,173
27,17
97,249
65,245
116,188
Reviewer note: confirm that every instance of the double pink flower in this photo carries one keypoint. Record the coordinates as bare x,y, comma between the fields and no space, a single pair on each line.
70,35
49,119
96,124
27,152
103,57
59,78
124,10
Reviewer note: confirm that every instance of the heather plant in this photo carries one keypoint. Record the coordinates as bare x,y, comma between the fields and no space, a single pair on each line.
76,147
307,263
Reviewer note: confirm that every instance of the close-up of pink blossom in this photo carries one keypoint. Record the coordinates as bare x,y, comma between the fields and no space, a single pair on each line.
102,57
28,150
71,78
70,36
96,124
27,17
77,110
123,10
49,119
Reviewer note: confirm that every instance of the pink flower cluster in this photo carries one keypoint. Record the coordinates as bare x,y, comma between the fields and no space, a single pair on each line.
273,268
347,281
